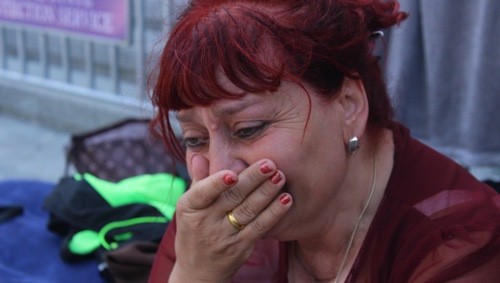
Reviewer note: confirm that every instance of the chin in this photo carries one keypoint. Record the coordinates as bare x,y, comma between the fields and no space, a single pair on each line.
281,235
273,234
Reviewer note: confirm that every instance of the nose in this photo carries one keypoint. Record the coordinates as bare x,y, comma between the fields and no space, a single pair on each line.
225,157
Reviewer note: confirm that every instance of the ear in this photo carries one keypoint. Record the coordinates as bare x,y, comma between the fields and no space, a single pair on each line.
354,101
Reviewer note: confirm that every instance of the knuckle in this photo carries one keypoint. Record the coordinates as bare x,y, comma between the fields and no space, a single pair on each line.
193,199
182,204
261,225
274,213
254,178
232,196
258,226
246,211
266,192
202,198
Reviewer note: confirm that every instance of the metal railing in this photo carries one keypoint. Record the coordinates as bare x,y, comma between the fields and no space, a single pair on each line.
98,67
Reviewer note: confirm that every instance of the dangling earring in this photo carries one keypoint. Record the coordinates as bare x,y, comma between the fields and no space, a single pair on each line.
352,145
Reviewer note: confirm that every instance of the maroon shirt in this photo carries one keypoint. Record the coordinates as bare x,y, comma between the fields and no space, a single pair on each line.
435,223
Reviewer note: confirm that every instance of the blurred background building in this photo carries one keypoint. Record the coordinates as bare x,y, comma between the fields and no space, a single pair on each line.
78,65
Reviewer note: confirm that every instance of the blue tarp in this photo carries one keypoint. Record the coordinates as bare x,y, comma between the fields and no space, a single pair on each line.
29,252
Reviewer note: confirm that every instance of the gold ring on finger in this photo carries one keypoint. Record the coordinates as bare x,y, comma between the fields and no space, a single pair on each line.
233,221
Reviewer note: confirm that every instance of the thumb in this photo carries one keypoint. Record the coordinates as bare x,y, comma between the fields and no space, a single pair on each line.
199,168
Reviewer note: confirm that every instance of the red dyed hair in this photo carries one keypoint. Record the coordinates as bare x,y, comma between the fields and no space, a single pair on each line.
318,43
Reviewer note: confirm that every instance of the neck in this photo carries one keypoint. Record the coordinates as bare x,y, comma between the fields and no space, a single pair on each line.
333,271
327,258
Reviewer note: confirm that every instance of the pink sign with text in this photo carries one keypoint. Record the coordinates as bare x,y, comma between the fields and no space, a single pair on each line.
102,18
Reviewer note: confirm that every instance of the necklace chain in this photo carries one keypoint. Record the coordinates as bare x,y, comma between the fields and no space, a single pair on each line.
354,231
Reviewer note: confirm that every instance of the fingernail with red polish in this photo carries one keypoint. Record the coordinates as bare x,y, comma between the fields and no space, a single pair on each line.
264,168
276,178
284,199
229,180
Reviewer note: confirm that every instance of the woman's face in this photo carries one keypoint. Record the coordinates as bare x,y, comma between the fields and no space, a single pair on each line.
301,133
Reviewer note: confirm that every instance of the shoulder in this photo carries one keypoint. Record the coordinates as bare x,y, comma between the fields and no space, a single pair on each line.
453,234
468,253
443,223
422,175
462,238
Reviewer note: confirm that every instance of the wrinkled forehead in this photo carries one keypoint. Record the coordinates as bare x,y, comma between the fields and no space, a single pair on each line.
226,107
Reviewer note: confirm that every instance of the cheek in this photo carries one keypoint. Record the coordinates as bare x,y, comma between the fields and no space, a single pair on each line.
286,152
277,149
314,164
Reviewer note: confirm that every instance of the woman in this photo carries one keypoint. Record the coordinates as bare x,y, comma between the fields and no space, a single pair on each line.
299,173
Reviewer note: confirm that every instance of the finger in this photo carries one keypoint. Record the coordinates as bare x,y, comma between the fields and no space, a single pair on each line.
259,199
205,189
248,180
268,218
199,168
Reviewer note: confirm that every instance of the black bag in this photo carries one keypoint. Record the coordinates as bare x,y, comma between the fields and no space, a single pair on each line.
75,206
121,150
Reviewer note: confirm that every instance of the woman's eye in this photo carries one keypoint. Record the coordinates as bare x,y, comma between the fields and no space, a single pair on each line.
249,132
194,142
